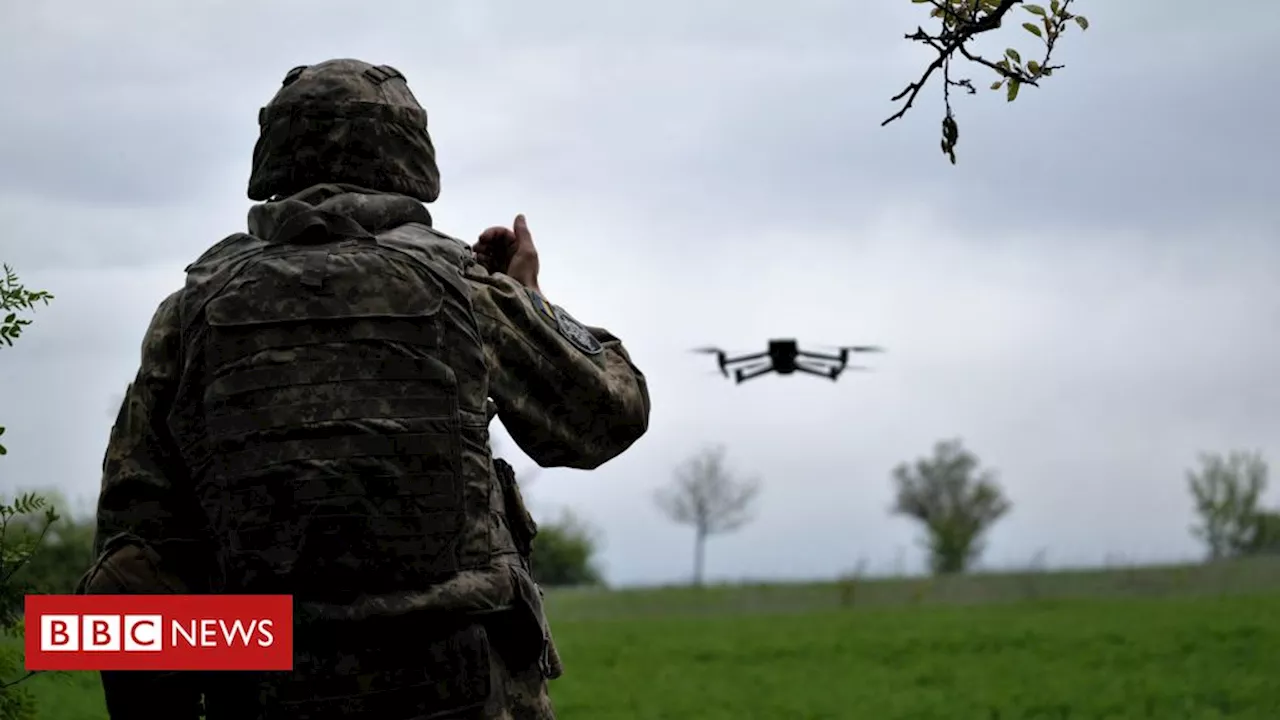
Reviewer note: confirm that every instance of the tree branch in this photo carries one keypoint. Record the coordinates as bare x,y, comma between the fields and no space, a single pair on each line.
30,674
960,22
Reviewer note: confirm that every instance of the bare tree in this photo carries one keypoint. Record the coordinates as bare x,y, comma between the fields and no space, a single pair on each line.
954,501
960,22
1226,491
707,496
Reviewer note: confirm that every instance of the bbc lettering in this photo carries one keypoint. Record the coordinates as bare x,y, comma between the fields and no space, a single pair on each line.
145,633
159,632
109,633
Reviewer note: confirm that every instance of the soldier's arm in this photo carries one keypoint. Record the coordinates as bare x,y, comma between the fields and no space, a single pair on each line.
146,488
568,400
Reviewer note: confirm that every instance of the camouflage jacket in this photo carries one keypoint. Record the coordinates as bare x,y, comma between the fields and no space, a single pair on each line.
569,396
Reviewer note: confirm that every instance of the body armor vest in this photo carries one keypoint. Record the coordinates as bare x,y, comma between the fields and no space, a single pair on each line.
332,410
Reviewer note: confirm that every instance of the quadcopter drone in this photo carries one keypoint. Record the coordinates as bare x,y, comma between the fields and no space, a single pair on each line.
785,357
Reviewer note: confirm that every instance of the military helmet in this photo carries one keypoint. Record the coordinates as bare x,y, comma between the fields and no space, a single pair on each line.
344,121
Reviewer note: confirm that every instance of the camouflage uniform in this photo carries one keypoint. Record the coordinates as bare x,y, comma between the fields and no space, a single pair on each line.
311,417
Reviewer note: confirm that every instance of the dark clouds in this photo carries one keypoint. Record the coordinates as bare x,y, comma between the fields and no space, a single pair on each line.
1086,298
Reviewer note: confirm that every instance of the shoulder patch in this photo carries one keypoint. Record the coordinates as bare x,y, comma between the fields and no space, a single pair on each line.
572,330
541,305
575,333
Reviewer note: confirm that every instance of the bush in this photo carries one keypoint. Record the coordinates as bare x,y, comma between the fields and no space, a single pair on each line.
564,552
24,523
18,544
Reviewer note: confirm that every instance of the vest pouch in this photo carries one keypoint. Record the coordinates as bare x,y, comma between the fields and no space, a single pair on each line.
521,634
528,608
519,520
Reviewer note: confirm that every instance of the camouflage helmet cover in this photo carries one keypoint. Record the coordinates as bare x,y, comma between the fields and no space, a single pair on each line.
344,121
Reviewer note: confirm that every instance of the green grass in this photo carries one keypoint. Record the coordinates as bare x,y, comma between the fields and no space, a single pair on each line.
1201,658
1166,643
68,696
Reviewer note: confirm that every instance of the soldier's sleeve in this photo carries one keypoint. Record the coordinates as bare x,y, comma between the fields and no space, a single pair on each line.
146,490
568,394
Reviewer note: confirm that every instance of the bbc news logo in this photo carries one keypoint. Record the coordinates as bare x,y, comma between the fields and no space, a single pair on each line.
159,632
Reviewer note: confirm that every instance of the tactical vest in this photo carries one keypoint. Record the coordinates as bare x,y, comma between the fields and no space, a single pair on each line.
332,410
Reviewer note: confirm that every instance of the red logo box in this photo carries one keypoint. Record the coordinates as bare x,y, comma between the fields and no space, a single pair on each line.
159,632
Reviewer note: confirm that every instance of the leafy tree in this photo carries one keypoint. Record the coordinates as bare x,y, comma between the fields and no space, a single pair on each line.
707,496
65,553
954,501
16,552
1226,491
1266,540
15,298
564,552
959,23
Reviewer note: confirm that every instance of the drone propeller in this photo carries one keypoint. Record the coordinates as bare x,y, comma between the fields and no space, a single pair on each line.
854,348
714,351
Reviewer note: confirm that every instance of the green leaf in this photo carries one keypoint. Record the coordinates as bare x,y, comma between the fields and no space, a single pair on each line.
1033,9
996,85
1055,6
1083,22
1013,55
1013,90
1034,67
1033,29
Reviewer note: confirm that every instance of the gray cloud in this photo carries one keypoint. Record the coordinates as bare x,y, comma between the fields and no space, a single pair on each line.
1084,299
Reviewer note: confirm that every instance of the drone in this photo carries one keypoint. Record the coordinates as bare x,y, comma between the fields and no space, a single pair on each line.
785,357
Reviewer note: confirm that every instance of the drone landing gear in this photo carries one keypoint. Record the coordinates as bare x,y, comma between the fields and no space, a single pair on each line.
829,373
743,374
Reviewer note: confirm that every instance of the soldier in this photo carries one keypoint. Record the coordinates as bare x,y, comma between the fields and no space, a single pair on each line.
311,417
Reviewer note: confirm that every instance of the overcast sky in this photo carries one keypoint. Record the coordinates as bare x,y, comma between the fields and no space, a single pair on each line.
1088,299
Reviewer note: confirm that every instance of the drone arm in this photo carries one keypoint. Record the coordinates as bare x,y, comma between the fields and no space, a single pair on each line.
744,359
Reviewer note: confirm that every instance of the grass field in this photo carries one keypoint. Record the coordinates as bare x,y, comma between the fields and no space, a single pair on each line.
1166,643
